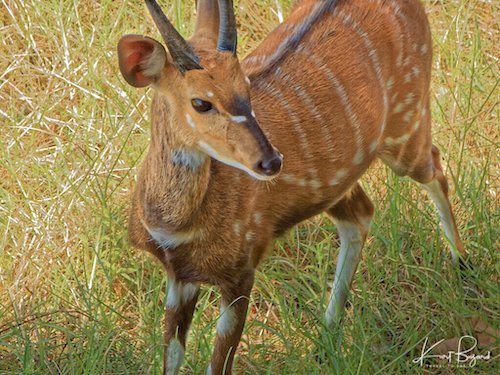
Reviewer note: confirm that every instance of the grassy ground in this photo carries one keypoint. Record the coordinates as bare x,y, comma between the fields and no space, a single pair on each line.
75,298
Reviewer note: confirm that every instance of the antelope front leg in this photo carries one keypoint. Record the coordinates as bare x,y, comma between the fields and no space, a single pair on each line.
179,308
230,325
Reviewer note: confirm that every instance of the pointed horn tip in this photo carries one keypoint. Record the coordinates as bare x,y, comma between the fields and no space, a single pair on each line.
180,50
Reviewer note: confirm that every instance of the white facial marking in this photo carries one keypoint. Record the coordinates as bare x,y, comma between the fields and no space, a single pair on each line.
257,217
339,175
253,113
227,321
210,94
247,80
239,119
179,294
232,163
175,354
190,121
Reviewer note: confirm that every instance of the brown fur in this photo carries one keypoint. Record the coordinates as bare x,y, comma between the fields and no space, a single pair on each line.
214,198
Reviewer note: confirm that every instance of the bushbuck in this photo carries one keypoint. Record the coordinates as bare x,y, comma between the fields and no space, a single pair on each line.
242,151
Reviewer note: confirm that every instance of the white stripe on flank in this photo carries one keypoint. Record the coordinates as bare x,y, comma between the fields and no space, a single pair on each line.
341,93
313,109
296,127
372,53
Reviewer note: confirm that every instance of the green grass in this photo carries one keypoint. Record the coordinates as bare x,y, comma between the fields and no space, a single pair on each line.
75,298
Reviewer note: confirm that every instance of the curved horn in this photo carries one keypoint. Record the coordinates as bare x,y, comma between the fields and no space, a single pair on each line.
181,52
227,27
207,20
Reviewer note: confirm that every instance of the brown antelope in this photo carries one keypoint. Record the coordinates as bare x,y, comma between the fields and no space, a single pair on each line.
337,85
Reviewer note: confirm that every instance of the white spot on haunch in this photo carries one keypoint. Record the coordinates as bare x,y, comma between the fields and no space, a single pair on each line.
389,141
399,108
339,175
358,158
390,83
237,227
190,121
409,98
227,321
315,184
249,235
424,49
416,125
408,116
239,119
175,353
257,217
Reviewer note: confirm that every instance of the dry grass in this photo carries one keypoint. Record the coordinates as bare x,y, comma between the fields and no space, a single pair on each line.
75,298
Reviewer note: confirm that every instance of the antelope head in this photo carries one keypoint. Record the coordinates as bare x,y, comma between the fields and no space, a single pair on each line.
207,92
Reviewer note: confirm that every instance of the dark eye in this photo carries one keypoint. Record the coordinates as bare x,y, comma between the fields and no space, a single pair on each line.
201,105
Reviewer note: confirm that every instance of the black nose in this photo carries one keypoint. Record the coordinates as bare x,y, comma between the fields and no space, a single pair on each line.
271,165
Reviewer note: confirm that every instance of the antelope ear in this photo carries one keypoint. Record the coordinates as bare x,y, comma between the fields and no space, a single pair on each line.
141,59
